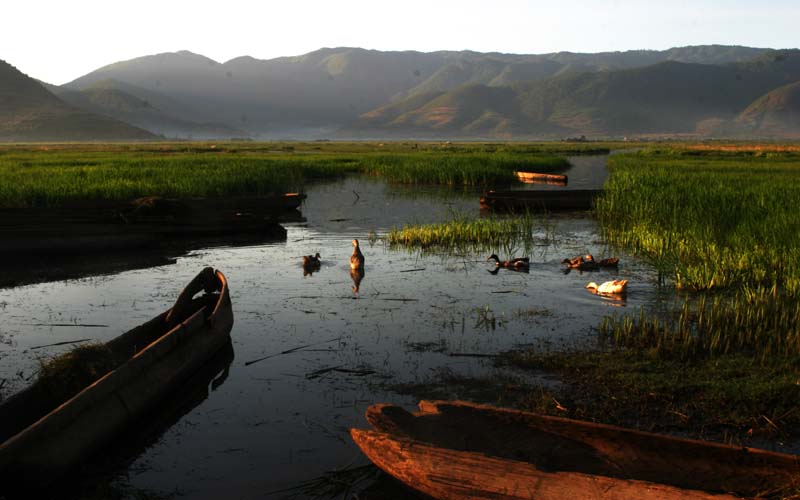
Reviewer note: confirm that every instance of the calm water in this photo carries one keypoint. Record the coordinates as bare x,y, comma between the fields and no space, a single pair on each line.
273,423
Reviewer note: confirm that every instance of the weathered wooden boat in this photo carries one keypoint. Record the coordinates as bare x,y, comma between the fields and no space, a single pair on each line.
459,450
545,199
538,178
44,435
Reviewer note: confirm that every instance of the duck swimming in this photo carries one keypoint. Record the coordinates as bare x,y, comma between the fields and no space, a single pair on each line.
519,263
311,260
616,287
587,263
357,259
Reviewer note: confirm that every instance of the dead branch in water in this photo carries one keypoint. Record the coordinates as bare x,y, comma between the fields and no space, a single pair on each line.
293,349
61,343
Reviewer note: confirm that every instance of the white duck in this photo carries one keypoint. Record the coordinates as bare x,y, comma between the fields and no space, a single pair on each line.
616,287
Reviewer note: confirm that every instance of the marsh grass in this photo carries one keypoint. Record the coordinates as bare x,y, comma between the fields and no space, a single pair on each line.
761,324
55,175
729,397
710,221
468,235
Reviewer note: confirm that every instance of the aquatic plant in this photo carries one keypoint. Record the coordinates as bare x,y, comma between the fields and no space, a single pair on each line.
708,221
463,234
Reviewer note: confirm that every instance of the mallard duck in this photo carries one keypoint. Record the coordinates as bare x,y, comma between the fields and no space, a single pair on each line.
616,287
311,260
587,262
518,263
357,259
581,263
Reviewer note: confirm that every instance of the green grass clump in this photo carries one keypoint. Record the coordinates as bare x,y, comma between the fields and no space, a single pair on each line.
708,221
462,235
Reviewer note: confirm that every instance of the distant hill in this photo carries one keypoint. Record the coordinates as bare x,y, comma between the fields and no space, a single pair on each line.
322,90
775,114
29,112
143,109
668,97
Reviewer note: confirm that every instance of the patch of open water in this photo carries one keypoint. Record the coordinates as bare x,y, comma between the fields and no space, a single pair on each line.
272,424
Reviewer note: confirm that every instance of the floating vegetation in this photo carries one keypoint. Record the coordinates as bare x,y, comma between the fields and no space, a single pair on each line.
464,235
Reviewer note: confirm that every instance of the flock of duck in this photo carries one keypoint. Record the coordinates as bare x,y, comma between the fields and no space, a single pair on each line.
581,263
311,263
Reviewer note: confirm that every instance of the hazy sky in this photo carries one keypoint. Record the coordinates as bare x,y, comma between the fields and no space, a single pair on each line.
58,41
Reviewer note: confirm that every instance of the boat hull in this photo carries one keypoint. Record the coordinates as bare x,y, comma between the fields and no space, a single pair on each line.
454,450
66,436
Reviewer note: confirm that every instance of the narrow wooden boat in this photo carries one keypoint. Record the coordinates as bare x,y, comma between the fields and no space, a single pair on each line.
537,178
43,435
459,450
546,199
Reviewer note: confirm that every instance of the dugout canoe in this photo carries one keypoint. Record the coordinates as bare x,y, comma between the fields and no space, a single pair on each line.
538,178
458,450
43,437
545,199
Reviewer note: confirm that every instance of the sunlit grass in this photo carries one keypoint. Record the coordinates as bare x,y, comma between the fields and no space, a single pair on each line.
54,175
711,221
464,235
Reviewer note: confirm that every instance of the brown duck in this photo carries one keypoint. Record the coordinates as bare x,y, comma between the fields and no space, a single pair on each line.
357,259
519,263
587,263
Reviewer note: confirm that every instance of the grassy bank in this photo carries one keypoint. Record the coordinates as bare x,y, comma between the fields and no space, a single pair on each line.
56,174
729,398
708,219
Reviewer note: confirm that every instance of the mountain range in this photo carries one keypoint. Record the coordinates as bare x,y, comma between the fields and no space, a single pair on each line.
711,90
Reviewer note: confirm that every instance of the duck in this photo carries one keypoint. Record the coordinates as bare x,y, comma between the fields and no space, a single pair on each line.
616,287
311,260
587,262
519,263
357,259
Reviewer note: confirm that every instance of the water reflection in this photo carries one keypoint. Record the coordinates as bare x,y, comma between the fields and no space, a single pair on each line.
356,274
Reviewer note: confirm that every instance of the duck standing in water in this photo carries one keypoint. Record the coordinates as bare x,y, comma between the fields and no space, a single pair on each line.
311,263
517,264
357,259
616,287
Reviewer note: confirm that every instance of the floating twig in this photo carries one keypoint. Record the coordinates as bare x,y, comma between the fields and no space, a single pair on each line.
412,270
61,343
82,325
471,355
339,369
293,349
